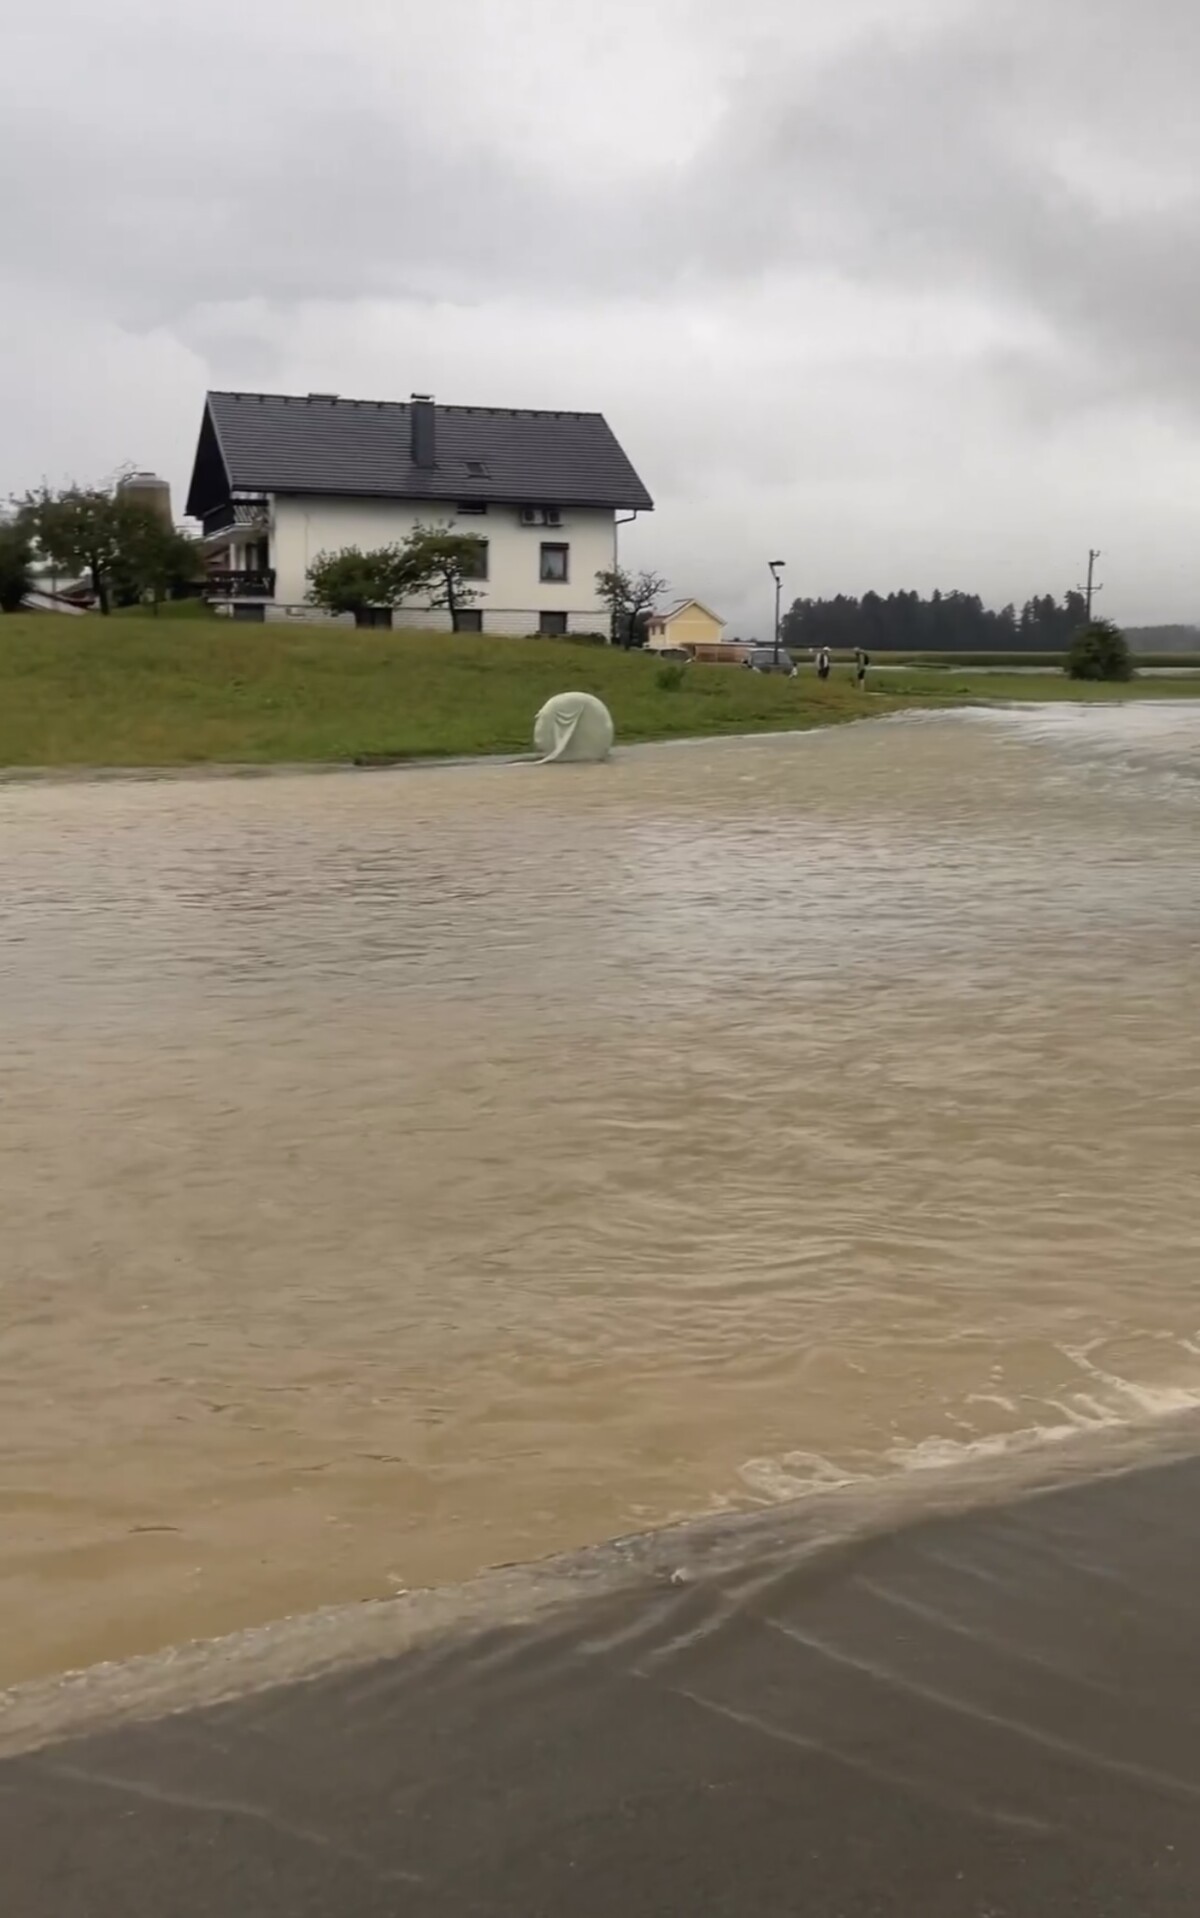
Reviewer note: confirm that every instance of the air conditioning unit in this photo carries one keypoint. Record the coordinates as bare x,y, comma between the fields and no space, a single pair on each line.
552,516
530,516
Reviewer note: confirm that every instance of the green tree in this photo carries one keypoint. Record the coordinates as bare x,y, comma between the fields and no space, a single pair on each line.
126,549
1099,651
351,581
630,598
443,564
16,558
1075,613
946,622
153,558
79,529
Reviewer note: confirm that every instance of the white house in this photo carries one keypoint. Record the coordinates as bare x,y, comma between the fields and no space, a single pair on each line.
278,480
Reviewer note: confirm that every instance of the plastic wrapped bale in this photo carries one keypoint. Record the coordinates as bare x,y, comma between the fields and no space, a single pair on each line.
573,726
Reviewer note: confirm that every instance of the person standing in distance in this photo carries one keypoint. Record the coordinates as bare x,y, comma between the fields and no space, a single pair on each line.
862,659
823,663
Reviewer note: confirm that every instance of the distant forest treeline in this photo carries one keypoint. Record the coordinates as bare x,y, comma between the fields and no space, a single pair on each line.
946,623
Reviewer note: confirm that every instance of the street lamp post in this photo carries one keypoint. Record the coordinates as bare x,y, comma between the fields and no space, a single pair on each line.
776,567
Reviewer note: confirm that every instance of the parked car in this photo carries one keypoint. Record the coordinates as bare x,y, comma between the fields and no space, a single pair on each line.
680,653
763,660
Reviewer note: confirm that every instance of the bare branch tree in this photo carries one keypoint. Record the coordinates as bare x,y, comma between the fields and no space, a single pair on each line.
630,598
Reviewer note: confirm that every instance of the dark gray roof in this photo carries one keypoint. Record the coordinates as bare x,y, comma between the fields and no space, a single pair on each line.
271,443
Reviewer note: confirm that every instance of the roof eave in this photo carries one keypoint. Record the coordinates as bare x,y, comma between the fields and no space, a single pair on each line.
683,605
209,418
528,496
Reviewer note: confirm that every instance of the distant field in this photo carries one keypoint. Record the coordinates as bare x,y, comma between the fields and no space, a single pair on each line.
958,686
137,691
1019,662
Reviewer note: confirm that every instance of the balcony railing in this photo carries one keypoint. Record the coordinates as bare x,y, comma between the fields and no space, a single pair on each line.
227,584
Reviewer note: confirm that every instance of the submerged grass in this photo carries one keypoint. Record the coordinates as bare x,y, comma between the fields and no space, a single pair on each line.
138,692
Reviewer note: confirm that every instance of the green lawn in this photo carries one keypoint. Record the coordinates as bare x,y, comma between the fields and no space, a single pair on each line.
136,691
959,687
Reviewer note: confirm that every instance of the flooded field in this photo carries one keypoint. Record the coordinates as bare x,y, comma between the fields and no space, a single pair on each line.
403,1173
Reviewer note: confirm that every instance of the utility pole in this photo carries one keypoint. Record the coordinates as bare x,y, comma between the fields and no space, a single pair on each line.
1091,589
776,568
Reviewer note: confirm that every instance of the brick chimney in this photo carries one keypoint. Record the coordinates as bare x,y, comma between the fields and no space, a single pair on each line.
424,430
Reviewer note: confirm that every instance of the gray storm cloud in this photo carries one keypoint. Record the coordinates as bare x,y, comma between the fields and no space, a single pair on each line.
773,242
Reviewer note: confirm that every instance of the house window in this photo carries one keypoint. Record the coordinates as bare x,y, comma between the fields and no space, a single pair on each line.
552,625
478,469
375,616
554,564
470,620
480,568
470,506
249,615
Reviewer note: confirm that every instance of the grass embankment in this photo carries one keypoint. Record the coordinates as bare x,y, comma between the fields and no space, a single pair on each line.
145,692
1017,662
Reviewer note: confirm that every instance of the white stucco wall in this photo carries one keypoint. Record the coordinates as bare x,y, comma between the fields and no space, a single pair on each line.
513,596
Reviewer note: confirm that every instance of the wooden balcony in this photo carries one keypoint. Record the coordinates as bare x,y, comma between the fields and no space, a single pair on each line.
228,584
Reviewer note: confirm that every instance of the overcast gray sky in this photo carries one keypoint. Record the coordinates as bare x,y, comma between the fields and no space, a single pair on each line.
904,291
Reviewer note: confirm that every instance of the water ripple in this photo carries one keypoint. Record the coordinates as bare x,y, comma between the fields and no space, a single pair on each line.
404,1173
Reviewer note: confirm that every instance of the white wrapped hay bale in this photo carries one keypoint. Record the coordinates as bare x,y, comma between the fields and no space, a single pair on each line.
573,726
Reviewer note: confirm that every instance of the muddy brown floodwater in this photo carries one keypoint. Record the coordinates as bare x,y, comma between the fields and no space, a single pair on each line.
403,1173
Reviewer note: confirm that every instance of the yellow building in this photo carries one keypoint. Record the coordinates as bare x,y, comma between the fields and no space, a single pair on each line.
687,623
